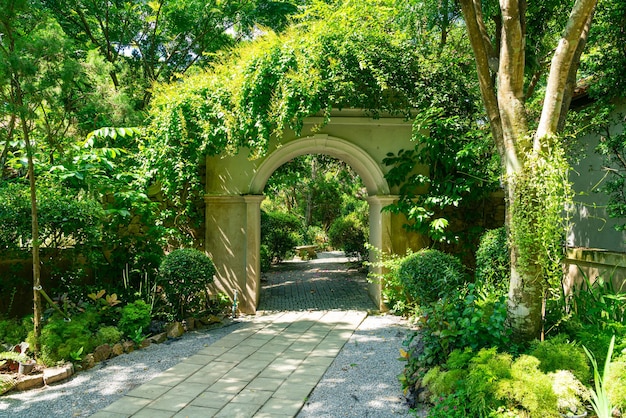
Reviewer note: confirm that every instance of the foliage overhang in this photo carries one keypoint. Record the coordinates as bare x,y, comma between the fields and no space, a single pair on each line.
273,83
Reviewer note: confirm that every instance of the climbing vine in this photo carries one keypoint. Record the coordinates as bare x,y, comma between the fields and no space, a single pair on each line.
538,225
347,59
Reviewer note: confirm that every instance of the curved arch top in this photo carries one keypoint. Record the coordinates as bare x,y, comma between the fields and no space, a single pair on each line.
361,162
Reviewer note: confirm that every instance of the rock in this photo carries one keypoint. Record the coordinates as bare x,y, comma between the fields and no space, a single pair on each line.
30,382
424,395
88,362
214,319
117,350
190,324
129,346
174,330
102,352
145,343
56,374
158,339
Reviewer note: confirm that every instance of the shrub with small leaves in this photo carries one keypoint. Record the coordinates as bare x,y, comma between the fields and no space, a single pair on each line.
558,353
109,335
13,331
184,275
280,232
349,234
135,315
428,275
493,261
59,338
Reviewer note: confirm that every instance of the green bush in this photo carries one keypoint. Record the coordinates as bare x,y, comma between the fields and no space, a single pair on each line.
528,392
428,275
13,331
493,263
491,384
349,234
184,275
136,315
558,353
109,335
280,232
266,261
391,289
465,319
59,338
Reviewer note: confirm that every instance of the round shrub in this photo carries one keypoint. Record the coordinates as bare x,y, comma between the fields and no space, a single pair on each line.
493,263
350,235
184,275
280,232
135,316
430,274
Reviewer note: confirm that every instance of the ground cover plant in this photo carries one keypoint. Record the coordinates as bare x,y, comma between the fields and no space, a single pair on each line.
463,361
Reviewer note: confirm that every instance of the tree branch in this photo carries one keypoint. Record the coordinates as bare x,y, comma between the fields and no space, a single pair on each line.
474,22
560,70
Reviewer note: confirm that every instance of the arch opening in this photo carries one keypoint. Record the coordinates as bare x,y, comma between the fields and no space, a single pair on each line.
364,165
358,160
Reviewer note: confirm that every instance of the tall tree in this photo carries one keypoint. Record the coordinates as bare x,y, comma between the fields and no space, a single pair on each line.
157,40
32,67
502,62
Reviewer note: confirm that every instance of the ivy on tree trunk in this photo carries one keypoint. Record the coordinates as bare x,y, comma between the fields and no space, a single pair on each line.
501,77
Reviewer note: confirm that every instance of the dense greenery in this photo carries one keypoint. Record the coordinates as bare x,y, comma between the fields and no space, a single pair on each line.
226,76
280,233
314,200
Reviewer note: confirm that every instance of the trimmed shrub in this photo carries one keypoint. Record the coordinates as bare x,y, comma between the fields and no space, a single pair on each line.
135,316
350,235
428,275
184,275
493,264
266,261
280,232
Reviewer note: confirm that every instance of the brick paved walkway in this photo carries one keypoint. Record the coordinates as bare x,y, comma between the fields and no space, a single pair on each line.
326,283
268,367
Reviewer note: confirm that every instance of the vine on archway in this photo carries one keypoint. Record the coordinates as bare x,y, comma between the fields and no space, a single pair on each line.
346,59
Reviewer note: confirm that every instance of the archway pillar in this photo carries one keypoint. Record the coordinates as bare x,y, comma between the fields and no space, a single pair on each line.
233,241
381,237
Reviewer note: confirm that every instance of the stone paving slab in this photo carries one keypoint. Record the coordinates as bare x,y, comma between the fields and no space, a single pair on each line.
265,369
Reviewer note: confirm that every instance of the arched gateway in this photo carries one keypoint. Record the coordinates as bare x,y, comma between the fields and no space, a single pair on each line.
235,185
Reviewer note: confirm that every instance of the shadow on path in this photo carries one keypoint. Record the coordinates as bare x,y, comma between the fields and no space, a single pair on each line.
329,282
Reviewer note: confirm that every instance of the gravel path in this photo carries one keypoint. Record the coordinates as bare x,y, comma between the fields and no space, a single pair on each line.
361,382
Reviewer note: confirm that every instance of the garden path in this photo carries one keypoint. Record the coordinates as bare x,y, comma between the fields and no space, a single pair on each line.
312,332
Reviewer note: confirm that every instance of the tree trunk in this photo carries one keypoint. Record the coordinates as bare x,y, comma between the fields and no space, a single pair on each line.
506,111
37,305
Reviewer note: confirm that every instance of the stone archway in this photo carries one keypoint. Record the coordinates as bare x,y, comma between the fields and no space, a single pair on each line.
235,185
